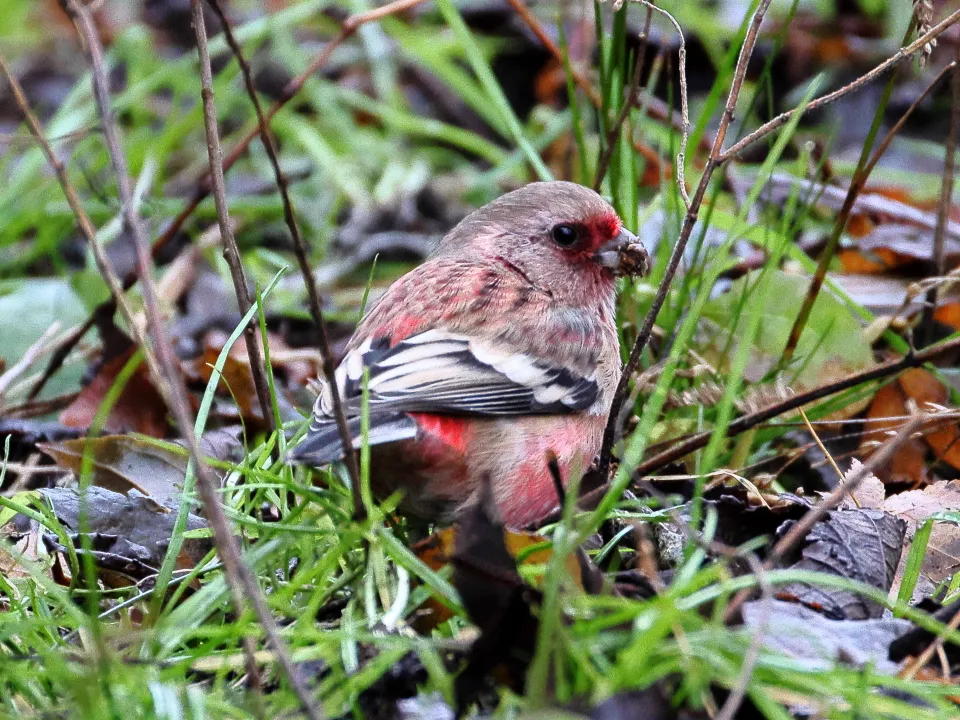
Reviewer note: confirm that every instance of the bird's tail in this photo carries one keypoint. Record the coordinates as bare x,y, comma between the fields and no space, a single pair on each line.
322,444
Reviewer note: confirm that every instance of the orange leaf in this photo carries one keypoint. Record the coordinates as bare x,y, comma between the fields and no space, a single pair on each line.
907,464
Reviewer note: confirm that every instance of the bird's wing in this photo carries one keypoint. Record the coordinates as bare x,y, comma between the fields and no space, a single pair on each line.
439,372
442,372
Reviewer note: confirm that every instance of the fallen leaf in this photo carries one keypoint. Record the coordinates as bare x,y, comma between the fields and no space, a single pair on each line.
862,545
140,521
124,462
886,413
802,633
139,408
887,410
948,314
869,494
922,387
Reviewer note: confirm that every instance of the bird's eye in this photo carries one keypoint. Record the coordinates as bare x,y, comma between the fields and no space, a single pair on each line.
565,235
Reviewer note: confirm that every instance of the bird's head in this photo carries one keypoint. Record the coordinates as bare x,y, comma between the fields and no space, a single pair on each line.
562,236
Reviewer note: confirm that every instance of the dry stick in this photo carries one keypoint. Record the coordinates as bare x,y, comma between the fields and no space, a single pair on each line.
751,420
106,270
202,189
860,82
693,212
946,197
154,356
230,250
232,255
170,383
799,530
292,88
826,453
270,145
684,101
628,104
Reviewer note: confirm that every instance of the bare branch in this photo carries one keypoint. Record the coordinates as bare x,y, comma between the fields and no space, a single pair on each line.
857,183
751,420
300,250
782,119
83,221
693,212
242,583
231,252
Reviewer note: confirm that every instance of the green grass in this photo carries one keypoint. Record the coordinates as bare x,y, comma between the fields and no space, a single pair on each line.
175,649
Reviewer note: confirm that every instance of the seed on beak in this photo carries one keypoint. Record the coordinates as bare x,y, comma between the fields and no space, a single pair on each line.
624,255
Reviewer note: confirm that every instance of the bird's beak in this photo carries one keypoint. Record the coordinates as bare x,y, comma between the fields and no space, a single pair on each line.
624,255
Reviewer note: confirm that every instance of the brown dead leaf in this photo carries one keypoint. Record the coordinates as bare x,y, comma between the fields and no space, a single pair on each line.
923,387
124,462
437,550
943,438
908,464
876,262
294,366
140,407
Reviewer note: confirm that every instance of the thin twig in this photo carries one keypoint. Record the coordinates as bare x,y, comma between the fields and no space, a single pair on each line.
240,579
826,453
83,220
202,185
857,183
693,212
631,99
37,349
751,420
230,250
684,100
270,146
782,119
898,126
799,530
290,90
946,198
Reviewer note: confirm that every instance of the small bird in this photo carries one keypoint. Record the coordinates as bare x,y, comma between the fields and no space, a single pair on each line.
500,348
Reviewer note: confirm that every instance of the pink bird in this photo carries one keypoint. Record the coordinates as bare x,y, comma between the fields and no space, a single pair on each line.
502,346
